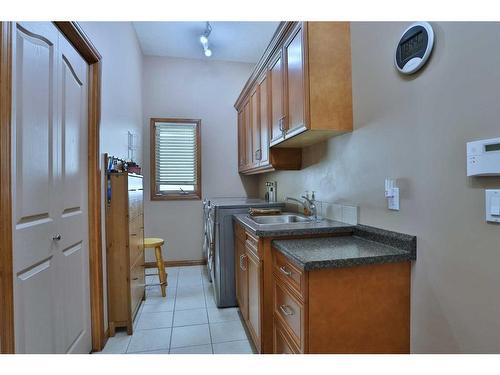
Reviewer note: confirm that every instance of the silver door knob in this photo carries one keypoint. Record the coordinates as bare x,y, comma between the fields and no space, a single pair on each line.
57,237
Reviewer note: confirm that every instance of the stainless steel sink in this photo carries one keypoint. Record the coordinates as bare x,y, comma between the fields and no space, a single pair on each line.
279,219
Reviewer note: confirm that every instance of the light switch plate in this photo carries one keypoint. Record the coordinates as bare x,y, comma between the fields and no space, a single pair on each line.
492,199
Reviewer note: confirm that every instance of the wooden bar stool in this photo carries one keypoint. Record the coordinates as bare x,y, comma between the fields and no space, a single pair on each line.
157,243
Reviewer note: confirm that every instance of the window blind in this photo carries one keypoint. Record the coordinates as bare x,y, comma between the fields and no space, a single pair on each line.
176,156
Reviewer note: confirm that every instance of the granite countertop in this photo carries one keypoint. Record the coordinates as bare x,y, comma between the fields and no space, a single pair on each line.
366,245
324,226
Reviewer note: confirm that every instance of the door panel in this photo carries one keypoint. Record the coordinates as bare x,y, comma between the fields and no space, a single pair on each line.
295,82
51,284
254,288
264,121
248,134
73,281
254,104
71,116
241,278
34,161
241,140
74,270
34,322
276,81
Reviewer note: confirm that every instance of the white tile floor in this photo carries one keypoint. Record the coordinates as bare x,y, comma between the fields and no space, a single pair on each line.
187,321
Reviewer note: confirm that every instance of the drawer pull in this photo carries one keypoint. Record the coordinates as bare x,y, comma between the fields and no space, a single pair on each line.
242,257
286,310
135,278
285,271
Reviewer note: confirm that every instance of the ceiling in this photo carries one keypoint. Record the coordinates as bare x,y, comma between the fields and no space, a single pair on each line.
229,41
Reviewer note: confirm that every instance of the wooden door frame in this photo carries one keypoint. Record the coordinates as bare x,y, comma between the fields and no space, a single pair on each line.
80,41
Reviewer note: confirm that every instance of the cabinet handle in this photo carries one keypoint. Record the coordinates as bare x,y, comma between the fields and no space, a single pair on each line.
135,278
242,258
286,310
133,234
258,154
285,271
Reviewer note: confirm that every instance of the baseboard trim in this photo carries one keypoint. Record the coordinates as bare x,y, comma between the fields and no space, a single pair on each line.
177,263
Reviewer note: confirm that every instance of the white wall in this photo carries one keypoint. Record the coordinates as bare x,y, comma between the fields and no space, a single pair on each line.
121,97
415,129
203,90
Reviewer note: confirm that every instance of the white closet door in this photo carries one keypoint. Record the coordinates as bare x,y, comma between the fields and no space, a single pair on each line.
51,275
72,214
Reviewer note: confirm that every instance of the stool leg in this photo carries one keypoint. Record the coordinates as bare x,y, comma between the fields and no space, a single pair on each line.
161,270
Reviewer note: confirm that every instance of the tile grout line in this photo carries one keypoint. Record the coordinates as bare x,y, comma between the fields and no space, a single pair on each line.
206,310
173,313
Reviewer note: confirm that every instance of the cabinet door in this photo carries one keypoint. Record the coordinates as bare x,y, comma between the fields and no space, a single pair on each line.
294,82
248,134
255,117
264,121
241,278
254,287
276,93
241,140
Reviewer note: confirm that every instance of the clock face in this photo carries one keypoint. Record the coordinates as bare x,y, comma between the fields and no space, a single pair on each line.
414,47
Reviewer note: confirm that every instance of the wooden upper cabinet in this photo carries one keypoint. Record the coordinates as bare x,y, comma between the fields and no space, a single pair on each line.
264,120
254,153
309,86
294,104
276,93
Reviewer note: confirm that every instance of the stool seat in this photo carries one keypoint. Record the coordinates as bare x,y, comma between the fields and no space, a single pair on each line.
153,242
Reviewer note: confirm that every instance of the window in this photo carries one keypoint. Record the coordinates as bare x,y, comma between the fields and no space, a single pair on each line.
175,159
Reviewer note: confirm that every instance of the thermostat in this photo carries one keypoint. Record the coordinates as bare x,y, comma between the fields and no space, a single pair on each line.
414,47
483,157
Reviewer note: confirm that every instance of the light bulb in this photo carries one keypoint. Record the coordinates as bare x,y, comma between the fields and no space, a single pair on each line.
208,52
203,39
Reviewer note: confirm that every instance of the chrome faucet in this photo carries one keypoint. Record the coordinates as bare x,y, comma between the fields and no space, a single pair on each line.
309,203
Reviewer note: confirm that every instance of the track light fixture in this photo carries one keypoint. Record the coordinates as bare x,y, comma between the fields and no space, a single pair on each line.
204,40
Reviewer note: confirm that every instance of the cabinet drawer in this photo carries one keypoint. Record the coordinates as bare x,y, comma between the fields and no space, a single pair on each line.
135,204
282,342
252,239
137,281
288,272
136,239
252,244
289,310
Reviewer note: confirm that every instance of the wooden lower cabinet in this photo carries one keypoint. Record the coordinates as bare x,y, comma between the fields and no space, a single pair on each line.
362,309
